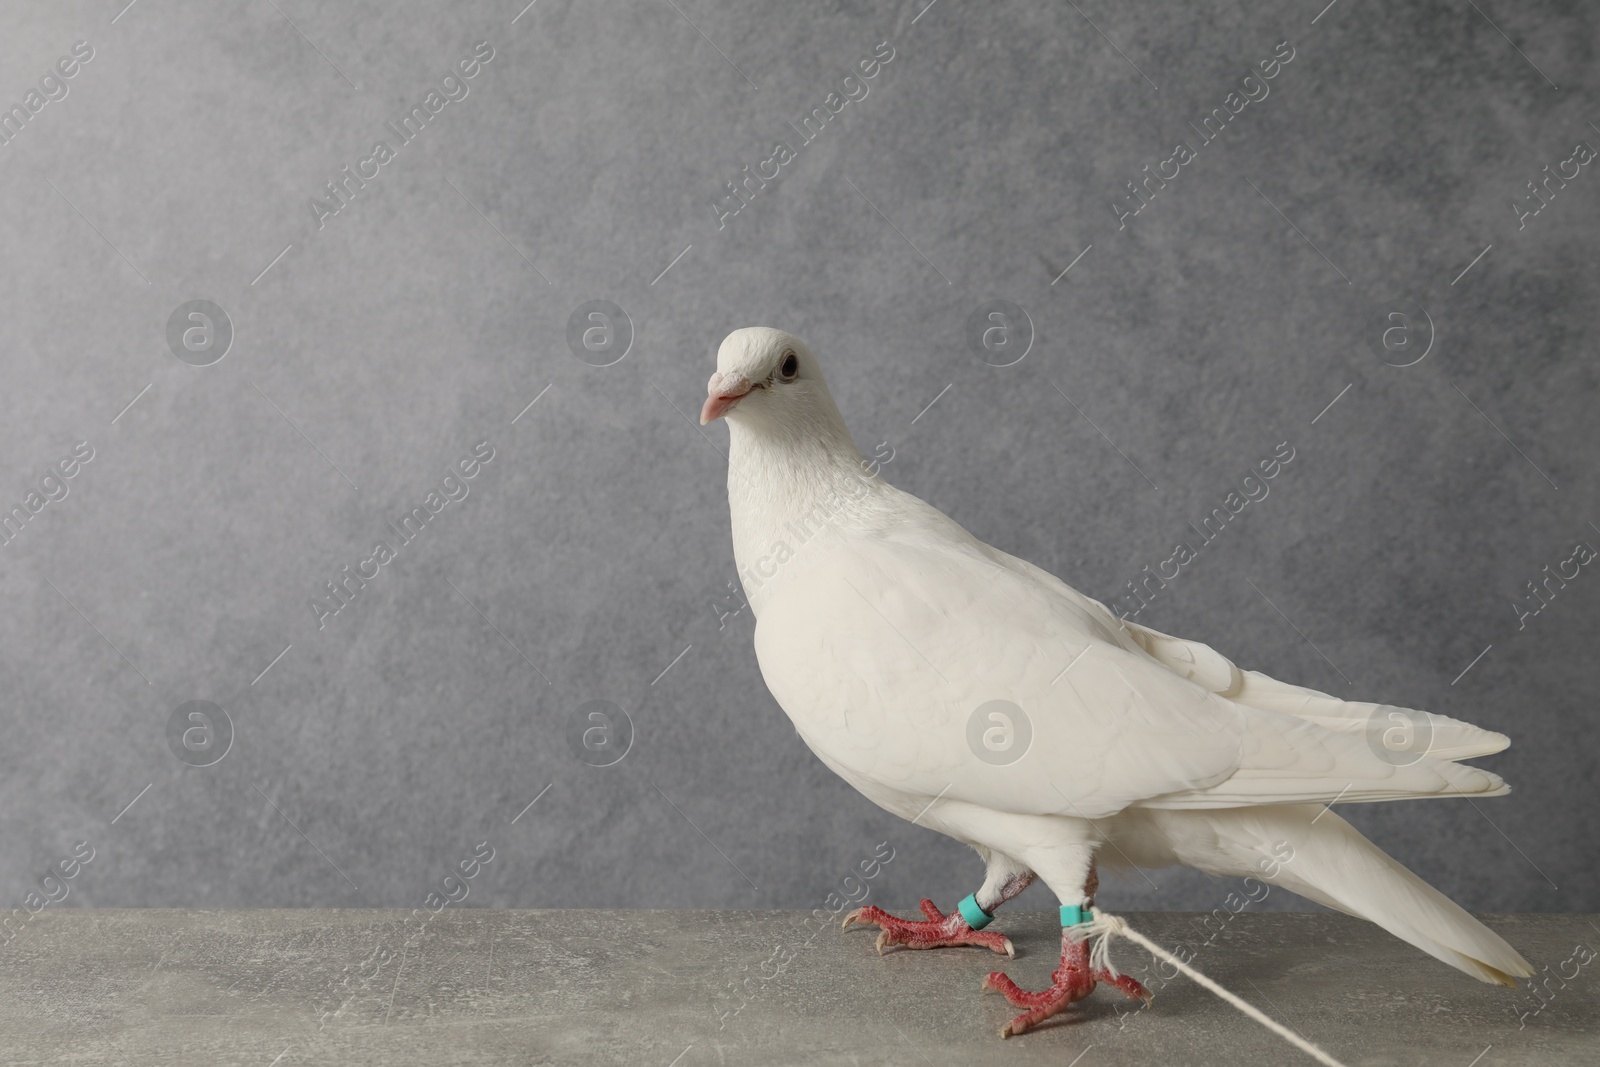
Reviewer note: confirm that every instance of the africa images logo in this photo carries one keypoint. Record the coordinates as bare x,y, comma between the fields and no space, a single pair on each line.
855,90
999,732
453,88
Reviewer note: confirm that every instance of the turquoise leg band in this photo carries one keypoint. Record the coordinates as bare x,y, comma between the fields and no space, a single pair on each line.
976,917
1075,914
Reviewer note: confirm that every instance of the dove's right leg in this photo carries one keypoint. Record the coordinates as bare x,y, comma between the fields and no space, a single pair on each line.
1076,977
1003,880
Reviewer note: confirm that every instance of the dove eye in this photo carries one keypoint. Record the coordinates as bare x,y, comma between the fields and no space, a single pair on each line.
790,368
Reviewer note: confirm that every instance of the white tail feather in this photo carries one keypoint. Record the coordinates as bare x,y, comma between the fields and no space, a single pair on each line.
1333,864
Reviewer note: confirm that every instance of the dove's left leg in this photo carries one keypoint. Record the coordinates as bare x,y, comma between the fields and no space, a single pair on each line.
1002,881
1073,980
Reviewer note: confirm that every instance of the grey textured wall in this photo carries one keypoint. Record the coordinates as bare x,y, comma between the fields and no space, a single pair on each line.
374,346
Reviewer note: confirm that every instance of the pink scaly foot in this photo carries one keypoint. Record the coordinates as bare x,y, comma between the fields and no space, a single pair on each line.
1072,981
940,931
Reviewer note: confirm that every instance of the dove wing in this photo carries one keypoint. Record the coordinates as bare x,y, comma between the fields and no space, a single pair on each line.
893,657
920,662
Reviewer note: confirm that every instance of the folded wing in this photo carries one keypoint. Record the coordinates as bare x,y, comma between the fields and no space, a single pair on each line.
922,662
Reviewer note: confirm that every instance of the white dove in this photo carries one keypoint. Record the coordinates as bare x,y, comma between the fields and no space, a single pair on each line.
976,694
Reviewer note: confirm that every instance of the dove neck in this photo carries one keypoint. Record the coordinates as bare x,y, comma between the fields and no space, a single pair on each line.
792,491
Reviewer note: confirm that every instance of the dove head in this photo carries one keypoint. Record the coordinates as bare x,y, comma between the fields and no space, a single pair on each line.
768,383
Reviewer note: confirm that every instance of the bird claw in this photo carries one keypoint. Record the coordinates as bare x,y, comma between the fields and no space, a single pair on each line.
1006,946
939,931
1127,985
1072,981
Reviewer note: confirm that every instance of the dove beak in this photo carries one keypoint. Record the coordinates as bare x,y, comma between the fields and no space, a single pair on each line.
722,393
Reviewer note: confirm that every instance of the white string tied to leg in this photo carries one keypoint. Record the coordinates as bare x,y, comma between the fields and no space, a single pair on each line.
1101,929
1105,926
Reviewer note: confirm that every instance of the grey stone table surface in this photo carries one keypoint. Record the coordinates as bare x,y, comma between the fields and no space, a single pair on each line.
686,988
